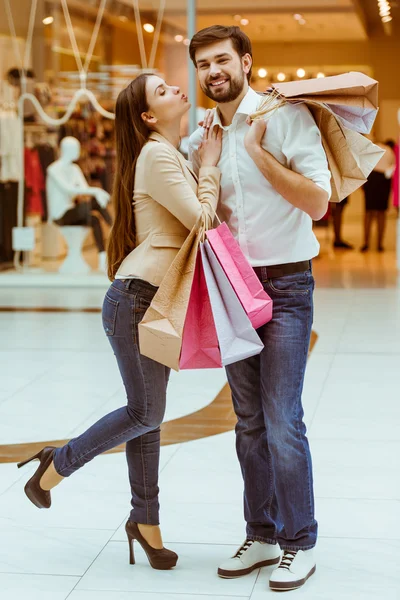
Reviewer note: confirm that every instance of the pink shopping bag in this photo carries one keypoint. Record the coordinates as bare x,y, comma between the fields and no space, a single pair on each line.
200,348
255,301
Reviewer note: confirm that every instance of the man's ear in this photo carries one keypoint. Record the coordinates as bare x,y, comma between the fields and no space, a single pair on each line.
247,63
148,118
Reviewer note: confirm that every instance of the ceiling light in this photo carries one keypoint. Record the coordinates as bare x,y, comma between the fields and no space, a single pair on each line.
387,19
238,17
148,27
320,75
262,73
48,20
123,18
300,73
244,21
186,42
281,77
297,17
302,21
179,38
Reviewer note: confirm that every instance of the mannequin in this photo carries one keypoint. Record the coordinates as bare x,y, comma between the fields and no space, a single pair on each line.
65,181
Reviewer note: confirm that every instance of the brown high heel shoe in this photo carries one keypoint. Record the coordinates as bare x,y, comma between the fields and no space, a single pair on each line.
40,497
159,559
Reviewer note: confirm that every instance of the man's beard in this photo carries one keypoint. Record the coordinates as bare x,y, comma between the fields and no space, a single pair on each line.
234,90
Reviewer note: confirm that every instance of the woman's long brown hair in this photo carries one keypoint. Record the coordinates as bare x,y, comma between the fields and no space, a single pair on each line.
131,133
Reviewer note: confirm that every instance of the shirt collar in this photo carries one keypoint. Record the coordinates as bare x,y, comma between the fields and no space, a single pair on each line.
248,105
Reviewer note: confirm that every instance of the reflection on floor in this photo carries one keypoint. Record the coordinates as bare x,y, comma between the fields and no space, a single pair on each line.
58,375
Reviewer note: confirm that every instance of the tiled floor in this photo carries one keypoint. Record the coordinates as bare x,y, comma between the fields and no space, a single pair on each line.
58,375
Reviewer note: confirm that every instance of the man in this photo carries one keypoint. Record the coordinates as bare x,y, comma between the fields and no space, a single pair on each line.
275,181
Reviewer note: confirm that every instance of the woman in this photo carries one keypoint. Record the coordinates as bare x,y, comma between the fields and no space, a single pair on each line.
377,192
167,203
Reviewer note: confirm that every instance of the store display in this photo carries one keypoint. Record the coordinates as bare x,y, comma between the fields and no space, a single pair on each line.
66,184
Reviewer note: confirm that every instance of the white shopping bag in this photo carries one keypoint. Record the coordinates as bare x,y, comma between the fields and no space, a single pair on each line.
236,336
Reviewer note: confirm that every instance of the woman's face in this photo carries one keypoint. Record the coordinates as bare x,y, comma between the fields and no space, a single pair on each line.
166,103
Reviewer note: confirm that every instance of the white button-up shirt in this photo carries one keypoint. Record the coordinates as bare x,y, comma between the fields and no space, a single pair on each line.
269,229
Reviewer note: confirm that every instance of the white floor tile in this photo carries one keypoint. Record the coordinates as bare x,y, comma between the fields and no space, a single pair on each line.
356,469
198,524
45,551
347,569
35,587
318,368
9,474
195,572
358,399
358,518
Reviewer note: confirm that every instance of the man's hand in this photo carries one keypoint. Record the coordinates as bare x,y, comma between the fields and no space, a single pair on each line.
255,134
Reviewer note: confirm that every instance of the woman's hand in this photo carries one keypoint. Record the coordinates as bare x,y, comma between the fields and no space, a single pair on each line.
208,118
211,147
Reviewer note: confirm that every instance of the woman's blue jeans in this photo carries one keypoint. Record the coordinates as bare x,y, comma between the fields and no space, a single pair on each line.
137,423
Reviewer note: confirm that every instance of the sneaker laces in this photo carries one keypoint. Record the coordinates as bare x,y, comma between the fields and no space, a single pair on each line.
245,546
287,559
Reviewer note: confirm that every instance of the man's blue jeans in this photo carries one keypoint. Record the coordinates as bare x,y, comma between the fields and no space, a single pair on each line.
271,440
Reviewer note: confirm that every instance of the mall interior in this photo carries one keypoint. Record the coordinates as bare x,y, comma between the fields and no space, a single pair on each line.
58,374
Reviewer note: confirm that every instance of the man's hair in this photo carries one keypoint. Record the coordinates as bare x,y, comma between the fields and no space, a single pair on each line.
218,33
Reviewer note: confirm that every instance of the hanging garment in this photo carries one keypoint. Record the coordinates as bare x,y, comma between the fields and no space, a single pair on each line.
8,219
34,182
10,146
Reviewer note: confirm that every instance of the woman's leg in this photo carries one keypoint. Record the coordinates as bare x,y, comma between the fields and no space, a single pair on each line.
367,227
381,228
145,383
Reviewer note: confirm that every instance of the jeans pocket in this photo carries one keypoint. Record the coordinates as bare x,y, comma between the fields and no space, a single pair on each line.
295,284
109,315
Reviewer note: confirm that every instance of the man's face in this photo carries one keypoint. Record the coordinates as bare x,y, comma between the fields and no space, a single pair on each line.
221,71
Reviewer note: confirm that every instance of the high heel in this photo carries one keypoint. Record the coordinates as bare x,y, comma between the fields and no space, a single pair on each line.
159,559
40,497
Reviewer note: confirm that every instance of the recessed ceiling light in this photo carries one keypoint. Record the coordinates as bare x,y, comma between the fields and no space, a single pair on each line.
123,18
320,75
186,42
302,21
300,73
281,77
48,20
244,22
297,17
148,27
262,73
179,38
238,17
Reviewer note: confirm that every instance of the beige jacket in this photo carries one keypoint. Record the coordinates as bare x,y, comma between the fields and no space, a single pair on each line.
167,202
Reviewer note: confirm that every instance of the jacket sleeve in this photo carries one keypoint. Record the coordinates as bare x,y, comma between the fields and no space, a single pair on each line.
167,185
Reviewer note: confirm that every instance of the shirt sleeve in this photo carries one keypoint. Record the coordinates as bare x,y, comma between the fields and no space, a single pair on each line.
302,147
167,185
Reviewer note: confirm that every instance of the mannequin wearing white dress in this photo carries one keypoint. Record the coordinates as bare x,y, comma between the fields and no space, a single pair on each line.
64,182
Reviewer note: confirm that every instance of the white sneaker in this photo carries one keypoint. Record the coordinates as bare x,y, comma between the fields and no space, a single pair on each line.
250,556
293,571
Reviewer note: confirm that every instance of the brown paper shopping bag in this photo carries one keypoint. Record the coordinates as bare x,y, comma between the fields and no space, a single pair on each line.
351,96
353,89
351,156
161,330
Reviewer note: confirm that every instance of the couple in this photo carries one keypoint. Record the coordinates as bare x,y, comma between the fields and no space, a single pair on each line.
269,183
